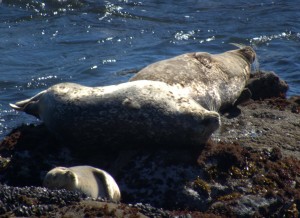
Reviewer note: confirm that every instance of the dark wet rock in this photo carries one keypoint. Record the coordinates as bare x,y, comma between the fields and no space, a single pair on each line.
266,124
250,168
151,211
29,201
37,201
28,153
265,84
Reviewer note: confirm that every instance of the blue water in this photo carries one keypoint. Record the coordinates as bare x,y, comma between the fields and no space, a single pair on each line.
99,43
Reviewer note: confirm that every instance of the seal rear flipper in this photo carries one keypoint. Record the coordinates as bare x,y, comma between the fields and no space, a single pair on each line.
29,106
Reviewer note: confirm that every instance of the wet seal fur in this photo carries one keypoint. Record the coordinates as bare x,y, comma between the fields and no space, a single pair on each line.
91,181
215,81
135,113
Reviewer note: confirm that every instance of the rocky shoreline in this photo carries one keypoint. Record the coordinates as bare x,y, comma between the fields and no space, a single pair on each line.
250,168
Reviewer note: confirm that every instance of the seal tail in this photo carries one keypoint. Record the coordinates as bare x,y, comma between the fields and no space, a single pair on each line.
29,106
239,45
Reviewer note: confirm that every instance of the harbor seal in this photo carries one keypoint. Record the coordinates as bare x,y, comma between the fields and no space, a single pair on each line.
134,113
91,181
215,81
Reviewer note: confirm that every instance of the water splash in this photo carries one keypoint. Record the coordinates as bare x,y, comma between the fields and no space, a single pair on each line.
184,36
46,8
42,81
289,35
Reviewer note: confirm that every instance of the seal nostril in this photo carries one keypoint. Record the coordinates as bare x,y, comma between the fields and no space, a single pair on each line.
211,121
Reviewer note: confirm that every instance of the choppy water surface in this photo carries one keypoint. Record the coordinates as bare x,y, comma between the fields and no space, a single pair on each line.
102,42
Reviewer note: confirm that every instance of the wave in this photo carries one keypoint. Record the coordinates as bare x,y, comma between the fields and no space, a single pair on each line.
58,7
289,35
46,5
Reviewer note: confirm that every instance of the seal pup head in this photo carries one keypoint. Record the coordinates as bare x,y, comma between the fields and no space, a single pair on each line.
61,178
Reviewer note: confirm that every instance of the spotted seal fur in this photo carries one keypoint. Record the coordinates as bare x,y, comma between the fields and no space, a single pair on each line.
215,81
134,113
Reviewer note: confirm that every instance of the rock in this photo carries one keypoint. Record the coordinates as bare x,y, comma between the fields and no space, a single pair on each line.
265,84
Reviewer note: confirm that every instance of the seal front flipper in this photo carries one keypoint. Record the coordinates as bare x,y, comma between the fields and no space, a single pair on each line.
29,106
245,95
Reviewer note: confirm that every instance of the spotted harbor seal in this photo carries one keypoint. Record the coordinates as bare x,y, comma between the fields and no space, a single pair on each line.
133,113
215,81
91,181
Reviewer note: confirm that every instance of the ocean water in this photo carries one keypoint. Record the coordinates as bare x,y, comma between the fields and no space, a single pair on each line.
96,43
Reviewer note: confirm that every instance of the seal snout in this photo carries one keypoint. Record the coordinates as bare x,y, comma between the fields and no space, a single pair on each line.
212,122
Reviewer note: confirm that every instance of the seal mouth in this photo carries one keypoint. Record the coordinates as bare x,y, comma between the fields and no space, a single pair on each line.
212,123
207,127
